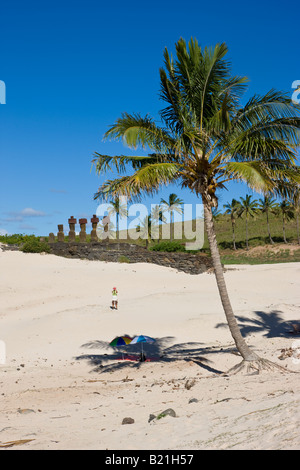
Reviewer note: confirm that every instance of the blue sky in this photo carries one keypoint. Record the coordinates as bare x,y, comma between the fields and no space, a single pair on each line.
72,68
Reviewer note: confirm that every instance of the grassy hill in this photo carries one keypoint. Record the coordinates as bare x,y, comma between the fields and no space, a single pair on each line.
261,251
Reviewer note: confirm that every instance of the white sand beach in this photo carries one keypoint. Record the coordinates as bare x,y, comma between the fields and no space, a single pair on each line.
63,387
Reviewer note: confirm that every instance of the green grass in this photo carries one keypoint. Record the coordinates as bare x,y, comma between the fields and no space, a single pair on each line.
266,257
258,233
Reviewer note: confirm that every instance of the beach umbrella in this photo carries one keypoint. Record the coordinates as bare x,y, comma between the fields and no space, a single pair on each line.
120,341
142,339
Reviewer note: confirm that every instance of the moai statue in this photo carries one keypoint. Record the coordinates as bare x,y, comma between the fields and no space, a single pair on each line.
94,220
105,222
82,234
60,234
51,238
72,235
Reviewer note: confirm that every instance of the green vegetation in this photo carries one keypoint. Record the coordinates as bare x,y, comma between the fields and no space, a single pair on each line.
123,259
168,246
266,256
27,243
34,245
257,231
15,239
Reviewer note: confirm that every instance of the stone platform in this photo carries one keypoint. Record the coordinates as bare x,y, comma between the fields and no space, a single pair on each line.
124,252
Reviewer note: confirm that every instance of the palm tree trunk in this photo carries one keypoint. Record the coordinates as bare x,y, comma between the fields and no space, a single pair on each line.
158,230
298,234
171,226
233,233
241,345
247,243
269,231
283,228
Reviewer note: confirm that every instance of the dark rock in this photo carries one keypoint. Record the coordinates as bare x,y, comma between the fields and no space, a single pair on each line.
128,421
151,418
193,400
168,412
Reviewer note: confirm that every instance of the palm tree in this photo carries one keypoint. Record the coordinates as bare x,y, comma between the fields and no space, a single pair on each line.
206,140
249,208
287,212
118,208
233,209
268,205
145,229
215,213
157,216
171,205
296,207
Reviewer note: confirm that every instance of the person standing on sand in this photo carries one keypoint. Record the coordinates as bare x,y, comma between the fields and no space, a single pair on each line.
115,298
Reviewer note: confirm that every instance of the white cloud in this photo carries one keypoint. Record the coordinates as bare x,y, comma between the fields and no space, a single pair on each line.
3,231
21,215
29,212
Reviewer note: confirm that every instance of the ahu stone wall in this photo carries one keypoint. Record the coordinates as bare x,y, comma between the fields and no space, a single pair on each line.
124,252
103,250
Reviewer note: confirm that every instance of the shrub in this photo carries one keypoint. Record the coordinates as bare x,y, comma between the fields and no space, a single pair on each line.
123,259
168,246
33,245
15,239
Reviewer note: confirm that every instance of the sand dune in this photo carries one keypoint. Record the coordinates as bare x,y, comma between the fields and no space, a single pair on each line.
63,387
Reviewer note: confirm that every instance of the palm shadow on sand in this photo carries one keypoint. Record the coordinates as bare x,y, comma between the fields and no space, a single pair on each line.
162,351
271,323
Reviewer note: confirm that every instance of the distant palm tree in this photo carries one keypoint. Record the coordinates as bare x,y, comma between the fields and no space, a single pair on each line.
287,212
145,228
157,216
173,204
119,209
233,209
215,212
249,208
268,206
296,207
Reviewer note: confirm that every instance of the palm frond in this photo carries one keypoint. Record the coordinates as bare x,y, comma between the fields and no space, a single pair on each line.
265,177
273,105
145,181
252,173
135,130
120,163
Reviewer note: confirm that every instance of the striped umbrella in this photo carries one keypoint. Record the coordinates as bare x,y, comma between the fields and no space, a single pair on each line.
120,341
